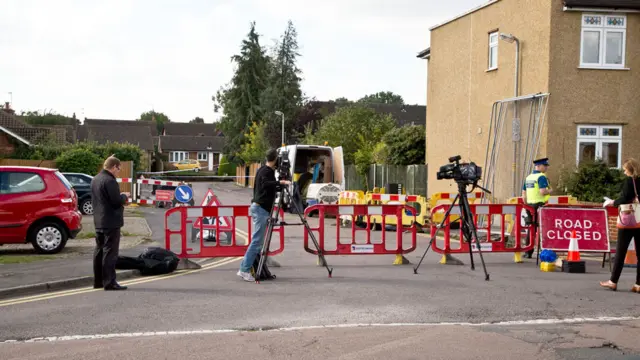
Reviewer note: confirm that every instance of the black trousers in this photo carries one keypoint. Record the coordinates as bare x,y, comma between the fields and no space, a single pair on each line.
624,239
534,216
105,257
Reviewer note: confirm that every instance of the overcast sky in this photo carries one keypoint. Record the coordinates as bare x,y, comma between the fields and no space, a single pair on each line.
116,59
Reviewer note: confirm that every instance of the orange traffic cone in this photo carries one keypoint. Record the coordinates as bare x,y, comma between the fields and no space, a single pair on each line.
631,260
574,252
573,264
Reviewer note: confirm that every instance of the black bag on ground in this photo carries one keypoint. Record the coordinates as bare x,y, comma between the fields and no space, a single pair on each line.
158,261
266,274
129,263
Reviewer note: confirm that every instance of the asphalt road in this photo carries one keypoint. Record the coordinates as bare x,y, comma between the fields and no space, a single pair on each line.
521,312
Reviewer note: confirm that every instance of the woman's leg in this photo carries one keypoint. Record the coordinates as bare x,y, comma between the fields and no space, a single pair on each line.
624,239
636,239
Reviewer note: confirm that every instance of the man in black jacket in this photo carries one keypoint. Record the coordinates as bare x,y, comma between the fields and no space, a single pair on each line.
264,195
108,218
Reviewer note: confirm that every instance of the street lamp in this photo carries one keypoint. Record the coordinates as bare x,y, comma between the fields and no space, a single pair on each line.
516,121
281,114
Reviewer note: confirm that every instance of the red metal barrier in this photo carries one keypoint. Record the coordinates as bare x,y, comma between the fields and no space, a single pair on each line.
353,247
491,239
192,214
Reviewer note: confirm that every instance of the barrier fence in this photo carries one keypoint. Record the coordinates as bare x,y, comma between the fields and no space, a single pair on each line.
494,236
151,191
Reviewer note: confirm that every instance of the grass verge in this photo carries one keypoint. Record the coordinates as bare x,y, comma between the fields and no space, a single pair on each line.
23,259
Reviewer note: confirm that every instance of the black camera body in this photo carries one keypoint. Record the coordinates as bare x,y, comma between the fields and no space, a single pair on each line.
465,173
283,165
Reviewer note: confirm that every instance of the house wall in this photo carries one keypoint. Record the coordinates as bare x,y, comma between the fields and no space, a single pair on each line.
586,96
6,147
461,91
216,159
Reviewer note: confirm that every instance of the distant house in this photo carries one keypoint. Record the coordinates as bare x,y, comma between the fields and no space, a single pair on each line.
402,114
13,130
206,149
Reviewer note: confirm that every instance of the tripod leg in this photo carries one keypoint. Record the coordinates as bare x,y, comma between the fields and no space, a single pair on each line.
435,235
264,253
466,233
469,220
313,237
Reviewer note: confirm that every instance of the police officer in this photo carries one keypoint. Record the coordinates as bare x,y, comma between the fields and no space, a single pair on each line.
536,189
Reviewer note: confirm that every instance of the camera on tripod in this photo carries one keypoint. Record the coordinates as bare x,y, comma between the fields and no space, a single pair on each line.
283,165
466,173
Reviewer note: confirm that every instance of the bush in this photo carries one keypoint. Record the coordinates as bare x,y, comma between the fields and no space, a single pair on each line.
592,181
226,168
406,145
79,161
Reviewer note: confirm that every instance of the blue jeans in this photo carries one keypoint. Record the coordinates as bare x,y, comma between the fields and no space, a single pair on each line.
259,219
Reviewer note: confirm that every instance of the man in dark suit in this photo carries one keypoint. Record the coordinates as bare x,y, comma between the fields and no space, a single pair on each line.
108,218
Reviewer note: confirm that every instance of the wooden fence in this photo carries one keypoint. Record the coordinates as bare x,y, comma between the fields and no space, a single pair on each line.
125,172
245,175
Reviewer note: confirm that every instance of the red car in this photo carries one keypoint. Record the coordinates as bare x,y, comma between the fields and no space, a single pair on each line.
37,205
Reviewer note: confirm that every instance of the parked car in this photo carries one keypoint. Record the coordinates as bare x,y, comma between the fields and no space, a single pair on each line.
37,206
188,164
82,185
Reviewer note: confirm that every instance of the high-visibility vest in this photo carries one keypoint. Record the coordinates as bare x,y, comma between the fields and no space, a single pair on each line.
533,189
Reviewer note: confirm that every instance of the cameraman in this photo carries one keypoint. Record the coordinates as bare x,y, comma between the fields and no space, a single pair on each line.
264,194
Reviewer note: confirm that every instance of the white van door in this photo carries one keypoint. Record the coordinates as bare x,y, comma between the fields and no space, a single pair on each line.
338,167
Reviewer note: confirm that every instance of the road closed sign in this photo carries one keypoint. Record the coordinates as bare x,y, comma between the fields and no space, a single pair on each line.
591,227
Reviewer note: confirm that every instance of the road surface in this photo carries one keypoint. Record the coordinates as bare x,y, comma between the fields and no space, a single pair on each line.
369,309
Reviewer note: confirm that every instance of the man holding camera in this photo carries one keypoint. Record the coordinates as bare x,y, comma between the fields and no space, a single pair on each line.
264,195
536,189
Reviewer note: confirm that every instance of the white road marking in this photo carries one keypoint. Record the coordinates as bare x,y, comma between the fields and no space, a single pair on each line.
339,326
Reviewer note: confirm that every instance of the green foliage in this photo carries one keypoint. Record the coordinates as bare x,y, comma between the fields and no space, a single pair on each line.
352,127
591,181
197,120
363,158
256,146
240,100
124,152
159,118
47,118
382,97
380,153
79,160
406,145
226,167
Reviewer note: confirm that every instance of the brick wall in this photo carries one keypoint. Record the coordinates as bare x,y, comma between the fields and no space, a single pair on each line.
6,147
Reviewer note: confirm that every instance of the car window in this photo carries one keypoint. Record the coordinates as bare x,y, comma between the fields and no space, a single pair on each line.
77,180
64,180
15,182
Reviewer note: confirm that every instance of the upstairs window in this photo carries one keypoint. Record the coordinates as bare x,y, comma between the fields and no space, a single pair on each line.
493,50
603,41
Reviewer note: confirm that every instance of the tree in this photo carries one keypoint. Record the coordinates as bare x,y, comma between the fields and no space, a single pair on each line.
197,120
283,92
406,145
240,100
256,146
352,127
382,97
49,117
159,118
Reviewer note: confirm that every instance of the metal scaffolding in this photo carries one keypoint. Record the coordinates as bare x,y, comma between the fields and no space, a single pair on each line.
509,159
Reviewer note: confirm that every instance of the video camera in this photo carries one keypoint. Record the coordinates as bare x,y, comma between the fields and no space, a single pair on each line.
465,173
283,165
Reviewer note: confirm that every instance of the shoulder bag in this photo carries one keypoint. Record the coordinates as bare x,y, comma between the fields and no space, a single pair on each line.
628,214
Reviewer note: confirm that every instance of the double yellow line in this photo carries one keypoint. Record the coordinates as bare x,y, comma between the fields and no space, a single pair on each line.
85,290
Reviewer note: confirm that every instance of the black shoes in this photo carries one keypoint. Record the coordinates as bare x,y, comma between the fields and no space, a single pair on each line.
114,287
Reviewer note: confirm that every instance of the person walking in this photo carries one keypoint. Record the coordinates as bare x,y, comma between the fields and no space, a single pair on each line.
108,218
264,195
628,228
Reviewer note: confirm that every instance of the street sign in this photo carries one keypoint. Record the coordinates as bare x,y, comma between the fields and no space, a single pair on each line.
591,227
184,193
212,200
164,195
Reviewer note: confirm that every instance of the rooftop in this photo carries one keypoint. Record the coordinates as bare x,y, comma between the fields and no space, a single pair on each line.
191,143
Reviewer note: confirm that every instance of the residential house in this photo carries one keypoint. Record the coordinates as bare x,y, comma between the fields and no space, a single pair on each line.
121,131
202,142
584,53
14,131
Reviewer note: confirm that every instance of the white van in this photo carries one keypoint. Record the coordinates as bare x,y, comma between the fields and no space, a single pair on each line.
318,171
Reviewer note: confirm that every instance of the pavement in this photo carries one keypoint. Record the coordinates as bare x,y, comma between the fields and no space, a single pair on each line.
368,309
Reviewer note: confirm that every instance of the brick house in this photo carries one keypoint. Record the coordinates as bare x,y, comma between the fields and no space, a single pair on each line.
584,53
206,149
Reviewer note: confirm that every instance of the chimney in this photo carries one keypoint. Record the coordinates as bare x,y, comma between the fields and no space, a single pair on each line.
7,108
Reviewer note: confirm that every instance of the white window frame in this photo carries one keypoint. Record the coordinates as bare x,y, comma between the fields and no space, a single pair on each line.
493,43
603,29
599,139
201,158
177,156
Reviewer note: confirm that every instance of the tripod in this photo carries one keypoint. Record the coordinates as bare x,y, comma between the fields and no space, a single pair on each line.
468,227
273,220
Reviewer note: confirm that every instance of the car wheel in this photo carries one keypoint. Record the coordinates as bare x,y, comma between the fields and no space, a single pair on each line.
86,207
196,169
48,238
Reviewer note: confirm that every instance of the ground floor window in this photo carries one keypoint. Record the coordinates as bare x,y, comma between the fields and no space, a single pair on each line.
603,142
176,156
203,156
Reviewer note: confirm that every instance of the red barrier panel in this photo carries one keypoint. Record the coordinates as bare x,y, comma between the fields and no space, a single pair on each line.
353,247
492,238
192,214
